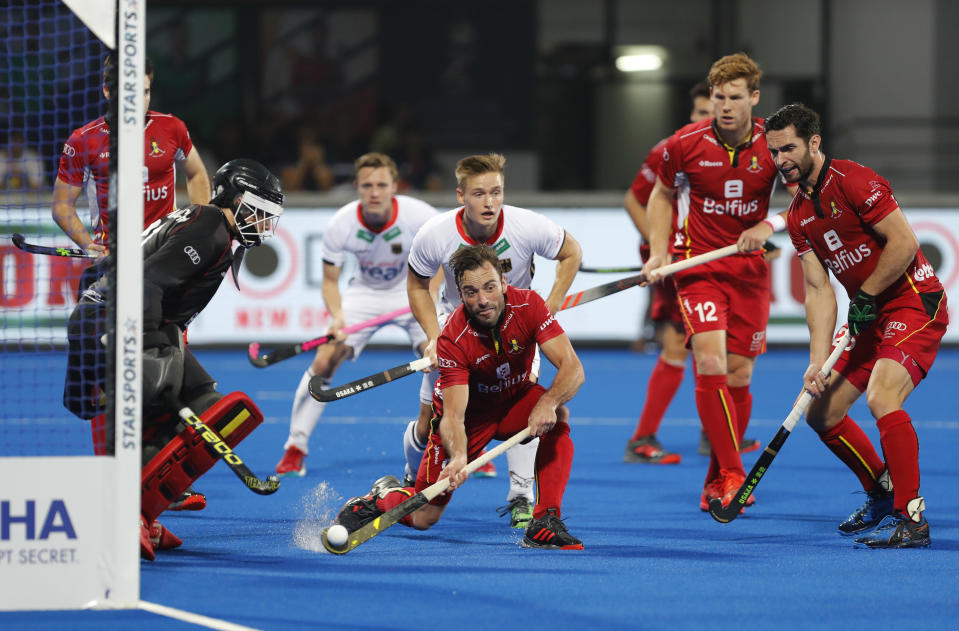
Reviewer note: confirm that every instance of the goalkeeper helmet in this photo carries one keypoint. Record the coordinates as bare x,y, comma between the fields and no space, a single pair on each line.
253,194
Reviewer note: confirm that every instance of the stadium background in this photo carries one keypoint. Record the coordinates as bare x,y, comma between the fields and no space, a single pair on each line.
537,81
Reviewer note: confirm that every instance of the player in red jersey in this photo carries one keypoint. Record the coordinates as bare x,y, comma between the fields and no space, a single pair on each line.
664,381
485,357
721,177
86,155
845,220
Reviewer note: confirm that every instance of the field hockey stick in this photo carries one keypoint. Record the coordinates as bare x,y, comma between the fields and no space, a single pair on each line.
292,350
769,246
355,387
395,514
318,392
731,511
33,248
610,270
220,449
693,261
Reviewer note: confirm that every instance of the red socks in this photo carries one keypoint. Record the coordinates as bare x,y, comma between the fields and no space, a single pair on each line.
717,411
900,446
394,498
554,459
743,400
663,384
847,440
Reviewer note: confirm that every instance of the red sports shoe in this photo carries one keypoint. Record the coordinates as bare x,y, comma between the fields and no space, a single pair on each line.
291,464
731,481
156,537
488,470
712,490
189,500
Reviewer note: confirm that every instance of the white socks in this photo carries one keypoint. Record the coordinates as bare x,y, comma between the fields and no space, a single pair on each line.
305,415
521,460
412,449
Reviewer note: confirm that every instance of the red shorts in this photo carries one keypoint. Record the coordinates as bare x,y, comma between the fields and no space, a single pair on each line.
500,422
907,331
730,294
665,307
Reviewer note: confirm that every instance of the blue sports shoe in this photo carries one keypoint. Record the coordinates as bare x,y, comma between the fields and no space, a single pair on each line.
878,504
898,531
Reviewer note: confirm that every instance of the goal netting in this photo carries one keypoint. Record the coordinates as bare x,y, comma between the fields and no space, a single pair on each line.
68,517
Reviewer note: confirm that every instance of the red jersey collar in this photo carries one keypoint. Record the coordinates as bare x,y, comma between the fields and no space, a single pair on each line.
722,143
394,214
462,229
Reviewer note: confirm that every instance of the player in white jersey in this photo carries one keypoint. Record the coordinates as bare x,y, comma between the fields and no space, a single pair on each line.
378,229
516,234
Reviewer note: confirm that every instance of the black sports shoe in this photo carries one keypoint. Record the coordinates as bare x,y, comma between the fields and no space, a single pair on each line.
898,531
549,532
358,512
648,450
878,504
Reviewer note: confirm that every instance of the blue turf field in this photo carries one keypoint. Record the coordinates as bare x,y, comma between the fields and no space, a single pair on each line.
652,559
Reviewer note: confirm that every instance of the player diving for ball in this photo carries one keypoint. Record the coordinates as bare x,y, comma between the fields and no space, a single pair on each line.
485,392
186,255
516,234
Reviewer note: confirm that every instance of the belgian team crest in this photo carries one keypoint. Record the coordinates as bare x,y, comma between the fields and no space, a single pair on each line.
835,210
155,149
754,166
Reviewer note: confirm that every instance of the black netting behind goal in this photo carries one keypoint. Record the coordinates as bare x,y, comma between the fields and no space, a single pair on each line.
50,85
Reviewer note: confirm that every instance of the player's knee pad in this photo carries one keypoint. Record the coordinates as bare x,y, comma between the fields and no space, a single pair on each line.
185,458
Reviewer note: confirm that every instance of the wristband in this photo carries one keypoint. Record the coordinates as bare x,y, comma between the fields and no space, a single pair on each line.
776,222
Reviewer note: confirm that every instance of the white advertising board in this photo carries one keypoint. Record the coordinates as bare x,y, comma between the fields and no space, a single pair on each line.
54,545
280,298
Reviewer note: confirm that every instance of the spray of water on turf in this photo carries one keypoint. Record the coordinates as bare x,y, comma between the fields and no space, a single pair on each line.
318,508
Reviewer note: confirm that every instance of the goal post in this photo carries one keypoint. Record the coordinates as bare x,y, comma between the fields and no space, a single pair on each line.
69,533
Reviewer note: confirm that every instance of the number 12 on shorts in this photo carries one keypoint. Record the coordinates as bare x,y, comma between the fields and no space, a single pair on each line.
706,311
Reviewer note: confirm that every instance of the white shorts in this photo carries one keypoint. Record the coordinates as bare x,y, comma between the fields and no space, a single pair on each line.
362,303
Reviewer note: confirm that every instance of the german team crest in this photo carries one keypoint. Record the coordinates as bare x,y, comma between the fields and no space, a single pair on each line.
506,265
155,149
754,166
396,248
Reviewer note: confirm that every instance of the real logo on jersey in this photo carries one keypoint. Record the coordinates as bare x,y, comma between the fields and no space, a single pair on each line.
155,149
501,246
365,235
754,166
194,256
502,371
844,259
392,233
924,272
872,198
69,150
